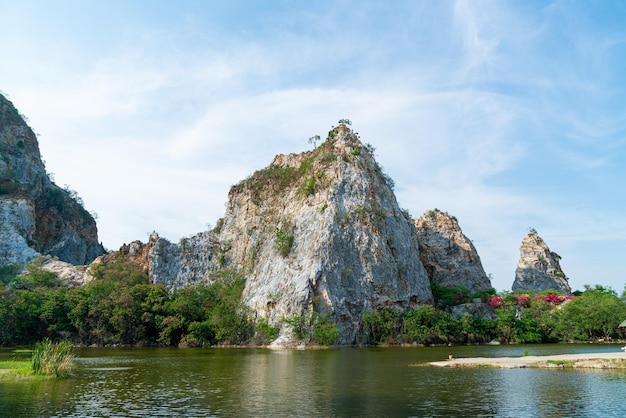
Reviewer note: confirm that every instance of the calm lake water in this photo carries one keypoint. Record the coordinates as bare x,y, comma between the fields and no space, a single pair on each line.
367,382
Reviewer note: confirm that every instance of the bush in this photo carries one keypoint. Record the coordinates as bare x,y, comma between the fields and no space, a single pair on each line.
264,332
283,241
300,327
450,296
325,331
320,329
382,325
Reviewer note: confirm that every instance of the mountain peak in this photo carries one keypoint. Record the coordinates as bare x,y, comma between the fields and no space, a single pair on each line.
318,232
37,215
539,268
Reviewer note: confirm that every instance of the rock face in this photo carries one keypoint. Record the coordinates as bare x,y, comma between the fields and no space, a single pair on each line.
36,215
449,257
538,268
17,228
318,232
70,275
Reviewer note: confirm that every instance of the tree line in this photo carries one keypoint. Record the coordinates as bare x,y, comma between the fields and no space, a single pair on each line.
121,307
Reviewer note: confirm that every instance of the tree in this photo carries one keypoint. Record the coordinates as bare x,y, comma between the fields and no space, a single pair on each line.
313,140
596,313
346,122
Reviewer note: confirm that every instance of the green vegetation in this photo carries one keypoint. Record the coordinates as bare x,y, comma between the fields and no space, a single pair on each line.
15,370
48,360
517,318
314,140
314,328
388,180
283,240
265,333
52,359
121,307
423,325
446,296
433,213
566,364
308,188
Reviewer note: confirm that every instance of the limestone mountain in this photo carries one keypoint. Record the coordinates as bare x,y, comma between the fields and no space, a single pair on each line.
316,232
539,268
448,255
37,216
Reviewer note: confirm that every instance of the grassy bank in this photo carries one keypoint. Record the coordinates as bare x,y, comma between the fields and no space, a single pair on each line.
16,370
47,360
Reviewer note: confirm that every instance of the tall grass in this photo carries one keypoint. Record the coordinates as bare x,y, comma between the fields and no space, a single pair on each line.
52,359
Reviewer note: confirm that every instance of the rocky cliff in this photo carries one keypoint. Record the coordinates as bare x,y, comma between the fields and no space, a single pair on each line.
448,255
318,232
538,268
37,216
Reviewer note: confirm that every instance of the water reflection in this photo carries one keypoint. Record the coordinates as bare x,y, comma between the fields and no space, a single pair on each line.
344,382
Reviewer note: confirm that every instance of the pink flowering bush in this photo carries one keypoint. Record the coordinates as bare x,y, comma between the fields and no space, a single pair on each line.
553,299
523,300
495,302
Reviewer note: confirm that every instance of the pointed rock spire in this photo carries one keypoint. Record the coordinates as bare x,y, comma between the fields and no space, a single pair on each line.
448,255
538,268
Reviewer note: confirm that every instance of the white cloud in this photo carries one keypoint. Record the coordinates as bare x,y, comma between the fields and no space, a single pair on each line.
498,113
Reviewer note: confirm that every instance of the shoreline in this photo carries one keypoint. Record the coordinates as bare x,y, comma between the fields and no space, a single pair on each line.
615,360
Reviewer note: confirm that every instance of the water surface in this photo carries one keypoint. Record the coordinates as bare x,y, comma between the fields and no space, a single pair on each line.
367,382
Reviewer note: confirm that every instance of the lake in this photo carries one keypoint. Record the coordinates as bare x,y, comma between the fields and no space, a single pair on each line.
362,382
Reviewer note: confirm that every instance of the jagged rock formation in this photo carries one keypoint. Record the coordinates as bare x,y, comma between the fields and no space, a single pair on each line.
538,268
448,255
36,215
318,232
70,275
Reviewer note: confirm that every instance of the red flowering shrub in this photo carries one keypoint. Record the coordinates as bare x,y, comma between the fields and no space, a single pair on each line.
551,298
523,300
495,302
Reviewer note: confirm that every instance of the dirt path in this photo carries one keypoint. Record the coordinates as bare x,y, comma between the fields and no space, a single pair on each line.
615,360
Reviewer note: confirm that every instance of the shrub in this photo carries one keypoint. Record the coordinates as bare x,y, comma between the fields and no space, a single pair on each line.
283,241
388,180
308,188
450,296
523,300
496,302
315,327
264,332
325,331
300,326
382,325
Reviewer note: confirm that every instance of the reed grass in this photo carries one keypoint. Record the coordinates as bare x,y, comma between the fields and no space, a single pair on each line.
52,359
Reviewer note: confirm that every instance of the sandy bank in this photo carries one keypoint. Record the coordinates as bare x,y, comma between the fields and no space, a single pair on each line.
615,360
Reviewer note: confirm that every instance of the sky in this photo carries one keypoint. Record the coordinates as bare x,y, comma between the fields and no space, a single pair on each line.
508,115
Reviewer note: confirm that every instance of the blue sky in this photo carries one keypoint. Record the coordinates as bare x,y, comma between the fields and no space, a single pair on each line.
507,115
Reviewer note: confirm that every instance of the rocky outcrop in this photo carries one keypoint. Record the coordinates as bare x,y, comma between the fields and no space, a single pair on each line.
317,232
538,268
37,215
69,274
449,257
17,228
